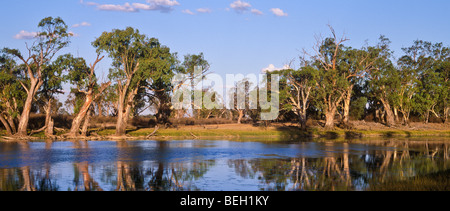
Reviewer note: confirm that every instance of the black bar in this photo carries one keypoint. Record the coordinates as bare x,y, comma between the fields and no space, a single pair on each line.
227,200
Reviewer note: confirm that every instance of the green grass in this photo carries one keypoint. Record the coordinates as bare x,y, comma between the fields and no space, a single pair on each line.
272,133
199,133
282,132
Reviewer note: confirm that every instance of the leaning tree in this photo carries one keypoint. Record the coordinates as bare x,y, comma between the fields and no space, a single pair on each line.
51,38
85,84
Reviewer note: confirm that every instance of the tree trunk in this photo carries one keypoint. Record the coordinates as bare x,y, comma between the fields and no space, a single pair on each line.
329,119
347,100
25,117
100,109
35,84
427,116
390,121
395,114
48,119
241,114
9,118
405,118
76,123
346,117
87,119
7,127
12,124
121,125
302,119
122,120
124,106
85,109
446,114
49,128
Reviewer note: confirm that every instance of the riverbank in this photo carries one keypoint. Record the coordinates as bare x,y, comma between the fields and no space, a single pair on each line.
360,129
280,132
273,132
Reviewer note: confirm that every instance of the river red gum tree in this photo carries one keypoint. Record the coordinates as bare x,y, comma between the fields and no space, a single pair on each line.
53,36
136,58
332,84
86,82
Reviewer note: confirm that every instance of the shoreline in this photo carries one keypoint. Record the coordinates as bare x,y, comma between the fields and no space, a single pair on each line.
244,131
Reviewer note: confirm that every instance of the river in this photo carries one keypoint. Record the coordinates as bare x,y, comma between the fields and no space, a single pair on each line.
219,165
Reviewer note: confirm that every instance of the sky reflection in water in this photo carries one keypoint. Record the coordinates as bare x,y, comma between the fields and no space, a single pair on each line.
215,165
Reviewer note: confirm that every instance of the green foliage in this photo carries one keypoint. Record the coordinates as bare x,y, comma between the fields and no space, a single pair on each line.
12,93
191,61
332,68
295,83
129,50
77,71
142,68
421,80
358,108
37,74
383,81
53,35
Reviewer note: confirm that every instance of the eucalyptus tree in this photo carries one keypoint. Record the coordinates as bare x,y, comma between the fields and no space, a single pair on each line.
357,63
430,65
51,38
383,80
11,94
414,63
240,100
299,90
442,109
136,58
332,82
196,67
47,94
162,66
84,79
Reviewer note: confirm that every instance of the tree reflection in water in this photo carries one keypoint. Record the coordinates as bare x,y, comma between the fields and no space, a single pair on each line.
346,170
339,167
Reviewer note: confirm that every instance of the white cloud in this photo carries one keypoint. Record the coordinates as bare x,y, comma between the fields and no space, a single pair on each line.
114,7
81,24
186,11
204,10
141,6
256,12
278,12
240,6
163,2
161,5
272,68
25,35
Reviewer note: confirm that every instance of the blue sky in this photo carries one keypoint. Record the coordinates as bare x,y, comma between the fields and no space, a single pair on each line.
241,36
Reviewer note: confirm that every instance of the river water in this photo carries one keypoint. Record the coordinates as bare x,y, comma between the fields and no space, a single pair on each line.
218,165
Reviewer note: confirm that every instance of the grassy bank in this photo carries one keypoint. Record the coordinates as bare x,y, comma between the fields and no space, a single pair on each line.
273,132
242,131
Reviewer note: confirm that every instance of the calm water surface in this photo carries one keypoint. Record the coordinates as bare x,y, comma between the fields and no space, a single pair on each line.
216,165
